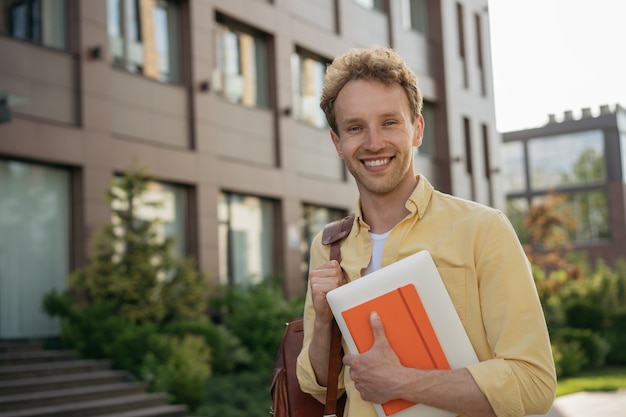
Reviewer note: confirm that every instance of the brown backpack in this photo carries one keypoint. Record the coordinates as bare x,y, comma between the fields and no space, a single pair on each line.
288,400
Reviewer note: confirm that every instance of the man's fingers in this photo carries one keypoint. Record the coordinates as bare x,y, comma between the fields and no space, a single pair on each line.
377,327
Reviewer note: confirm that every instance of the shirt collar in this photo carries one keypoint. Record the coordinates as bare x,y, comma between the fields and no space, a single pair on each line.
416,204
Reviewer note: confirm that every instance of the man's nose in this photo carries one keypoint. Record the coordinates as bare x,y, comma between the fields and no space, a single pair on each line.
375,140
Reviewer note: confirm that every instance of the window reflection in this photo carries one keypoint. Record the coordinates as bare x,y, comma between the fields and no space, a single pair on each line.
576,158
41,22
313,219
591,214
167,204
513,171
414,15
307,74
143,37
241,66
371,4
246,238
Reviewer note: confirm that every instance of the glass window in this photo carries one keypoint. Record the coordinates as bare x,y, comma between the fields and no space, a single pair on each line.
513,167
144,37
246,238
241,73
414,15
38,21
307,74
569,159
591,213
166,203
314,218
371,4
34,245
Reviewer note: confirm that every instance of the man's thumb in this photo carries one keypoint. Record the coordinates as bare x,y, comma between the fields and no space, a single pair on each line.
377,326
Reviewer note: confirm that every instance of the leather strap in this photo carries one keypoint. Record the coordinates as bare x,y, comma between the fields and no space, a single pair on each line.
333,234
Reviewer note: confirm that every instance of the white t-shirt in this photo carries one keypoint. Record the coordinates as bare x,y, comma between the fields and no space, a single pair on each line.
378,244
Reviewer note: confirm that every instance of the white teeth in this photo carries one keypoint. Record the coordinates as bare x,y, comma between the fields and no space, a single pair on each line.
377,162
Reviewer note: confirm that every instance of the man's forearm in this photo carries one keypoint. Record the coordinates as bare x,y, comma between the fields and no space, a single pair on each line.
319,350
453,390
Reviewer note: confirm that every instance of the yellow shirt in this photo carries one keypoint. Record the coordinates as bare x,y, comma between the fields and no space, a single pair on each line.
488,277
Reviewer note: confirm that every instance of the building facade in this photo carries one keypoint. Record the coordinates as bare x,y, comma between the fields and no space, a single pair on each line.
584,159
218,100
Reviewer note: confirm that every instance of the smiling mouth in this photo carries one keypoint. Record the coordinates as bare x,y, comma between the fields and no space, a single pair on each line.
376,162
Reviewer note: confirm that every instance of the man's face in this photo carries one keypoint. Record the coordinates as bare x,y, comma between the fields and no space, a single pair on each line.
375,136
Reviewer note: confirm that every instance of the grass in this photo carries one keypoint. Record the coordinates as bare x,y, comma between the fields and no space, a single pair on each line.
609,378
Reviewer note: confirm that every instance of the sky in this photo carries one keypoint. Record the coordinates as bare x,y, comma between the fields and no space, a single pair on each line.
550,56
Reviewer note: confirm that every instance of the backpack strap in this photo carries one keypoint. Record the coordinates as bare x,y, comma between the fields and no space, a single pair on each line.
336,231
332,235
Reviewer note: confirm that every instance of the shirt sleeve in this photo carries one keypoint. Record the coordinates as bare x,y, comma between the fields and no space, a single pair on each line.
520,377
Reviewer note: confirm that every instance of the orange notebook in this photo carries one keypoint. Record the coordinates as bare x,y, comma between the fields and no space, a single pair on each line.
420,322
407,328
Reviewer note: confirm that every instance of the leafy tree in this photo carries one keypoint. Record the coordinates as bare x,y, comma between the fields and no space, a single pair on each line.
120,304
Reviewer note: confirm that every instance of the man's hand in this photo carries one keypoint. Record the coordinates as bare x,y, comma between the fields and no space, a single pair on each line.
323,279
375,372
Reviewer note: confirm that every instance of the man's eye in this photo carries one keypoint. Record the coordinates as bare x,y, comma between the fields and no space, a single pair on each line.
354,128
390,122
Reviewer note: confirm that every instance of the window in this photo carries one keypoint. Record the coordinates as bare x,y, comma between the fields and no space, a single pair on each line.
487,160
246,238
568,159
144,37
314,218
241,74
34,245
307,74
590,212
166,203
469,159
479,53
513,167
414,15
371,4
460,20
39,21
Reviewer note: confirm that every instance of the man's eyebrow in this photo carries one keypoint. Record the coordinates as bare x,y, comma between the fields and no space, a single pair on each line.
357,119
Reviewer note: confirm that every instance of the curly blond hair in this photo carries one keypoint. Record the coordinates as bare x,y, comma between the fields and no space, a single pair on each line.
379,64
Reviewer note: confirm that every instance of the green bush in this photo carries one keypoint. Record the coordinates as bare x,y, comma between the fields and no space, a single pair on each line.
178,366
227,351
133,286
582,314
593,345
615,334
257,316
242,394
569,357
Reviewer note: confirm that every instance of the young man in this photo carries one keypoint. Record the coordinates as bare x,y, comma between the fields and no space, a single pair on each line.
373,105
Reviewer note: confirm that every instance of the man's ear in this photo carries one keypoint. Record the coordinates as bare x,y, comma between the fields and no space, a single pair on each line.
335,139
418,127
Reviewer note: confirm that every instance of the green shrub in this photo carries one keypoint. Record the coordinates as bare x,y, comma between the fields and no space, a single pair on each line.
228,353
178,366
243,394
569,357
615,334
593,345
257,316
583,314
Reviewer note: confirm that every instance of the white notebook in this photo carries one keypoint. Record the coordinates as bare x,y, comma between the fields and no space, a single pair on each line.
419,318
